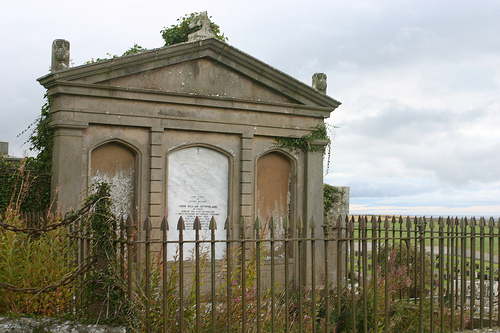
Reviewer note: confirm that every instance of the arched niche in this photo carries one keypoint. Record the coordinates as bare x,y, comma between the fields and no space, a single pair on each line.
198,186
274,190
115,164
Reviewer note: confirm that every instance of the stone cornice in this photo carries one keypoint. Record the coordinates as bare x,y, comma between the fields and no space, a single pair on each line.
208,48
159,96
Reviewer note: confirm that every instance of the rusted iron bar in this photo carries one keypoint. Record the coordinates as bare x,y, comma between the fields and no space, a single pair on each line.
243,276
229,281
326,288
213,226
350,228
300,274
273,275
180,227
164,228
286,226
257,227
197,227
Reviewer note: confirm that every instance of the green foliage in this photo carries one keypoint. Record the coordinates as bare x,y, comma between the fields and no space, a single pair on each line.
8,177
103,290
132,50
42,139
406,256
178,33
34,262
223,308
331,196
28,183
395,273
304,143
294,144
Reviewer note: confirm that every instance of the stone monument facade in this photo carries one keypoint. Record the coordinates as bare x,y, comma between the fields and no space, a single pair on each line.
187,130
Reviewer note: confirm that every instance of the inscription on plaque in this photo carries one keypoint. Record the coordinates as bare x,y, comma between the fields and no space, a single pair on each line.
197,187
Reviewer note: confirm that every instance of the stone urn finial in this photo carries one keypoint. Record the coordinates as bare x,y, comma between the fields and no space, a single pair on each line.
205,31
319,82
60,55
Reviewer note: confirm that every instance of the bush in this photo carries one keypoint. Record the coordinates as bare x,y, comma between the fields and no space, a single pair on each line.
29,261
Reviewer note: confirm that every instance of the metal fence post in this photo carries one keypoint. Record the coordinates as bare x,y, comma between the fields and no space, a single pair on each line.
147,251
164,228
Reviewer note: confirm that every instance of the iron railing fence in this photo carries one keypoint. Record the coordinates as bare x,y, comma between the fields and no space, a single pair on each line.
357,274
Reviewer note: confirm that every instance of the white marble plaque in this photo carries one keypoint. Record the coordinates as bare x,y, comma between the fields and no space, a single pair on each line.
197,186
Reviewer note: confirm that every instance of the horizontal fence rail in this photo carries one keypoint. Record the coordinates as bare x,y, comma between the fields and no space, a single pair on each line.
355,274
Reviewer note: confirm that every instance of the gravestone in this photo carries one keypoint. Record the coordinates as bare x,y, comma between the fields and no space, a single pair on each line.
197,187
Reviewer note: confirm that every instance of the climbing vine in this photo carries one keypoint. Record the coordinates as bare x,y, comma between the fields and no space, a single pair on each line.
103,287
331,196
305,143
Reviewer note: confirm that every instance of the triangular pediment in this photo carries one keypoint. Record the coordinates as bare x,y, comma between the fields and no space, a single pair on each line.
203,76
202,68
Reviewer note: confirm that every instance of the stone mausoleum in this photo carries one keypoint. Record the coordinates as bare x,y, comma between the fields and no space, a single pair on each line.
187,130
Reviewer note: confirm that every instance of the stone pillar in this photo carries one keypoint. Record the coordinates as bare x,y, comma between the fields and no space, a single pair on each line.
247,179
313,208
4,148
338,249
68,167
156,169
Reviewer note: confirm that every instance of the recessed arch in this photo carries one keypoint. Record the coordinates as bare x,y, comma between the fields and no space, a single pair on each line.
229,155
115,163
274,188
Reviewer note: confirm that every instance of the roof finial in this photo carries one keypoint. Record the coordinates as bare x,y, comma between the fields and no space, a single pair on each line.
205,31
319,82
60,55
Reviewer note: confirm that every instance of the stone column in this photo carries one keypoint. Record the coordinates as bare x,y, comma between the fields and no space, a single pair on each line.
337,249
313,208
156,170
247,179
69,172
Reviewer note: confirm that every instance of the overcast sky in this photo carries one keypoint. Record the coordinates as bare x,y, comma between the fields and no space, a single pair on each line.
419,82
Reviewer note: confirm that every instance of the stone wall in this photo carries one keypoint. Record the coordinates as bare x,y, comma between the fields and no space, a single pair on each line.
341,208
29,325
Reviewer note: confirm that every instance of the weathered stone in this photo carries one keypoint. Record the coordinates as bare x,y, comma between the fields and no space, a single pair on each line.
205,31
4,148
60,55
319,82
28,325
114,164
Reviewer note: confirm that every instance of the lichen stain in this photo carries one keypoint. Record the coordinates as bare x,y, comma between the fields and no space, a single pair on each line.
122,190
